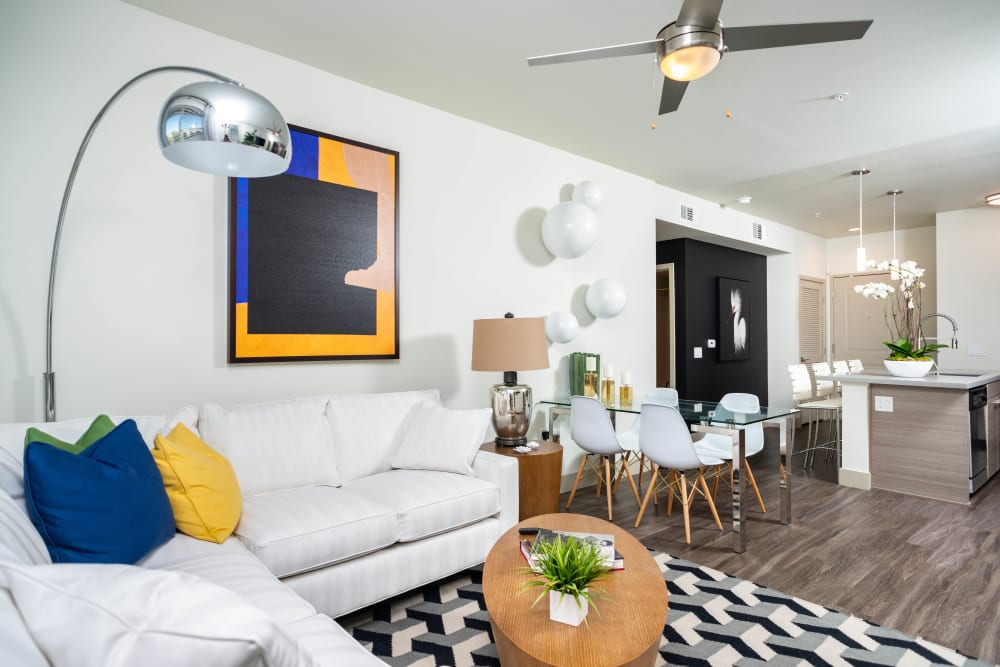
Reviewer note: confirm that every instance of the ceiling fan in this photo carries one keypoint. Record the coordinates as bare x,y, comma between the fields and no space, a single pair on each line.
691,47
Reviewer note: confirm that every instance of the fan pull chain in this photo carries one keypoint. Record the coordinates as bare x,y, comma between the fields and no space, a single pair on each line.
729,92
656,106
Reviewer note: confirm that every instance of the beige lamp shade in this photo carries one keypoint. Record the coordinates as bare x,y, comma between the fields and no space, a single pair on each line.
509,344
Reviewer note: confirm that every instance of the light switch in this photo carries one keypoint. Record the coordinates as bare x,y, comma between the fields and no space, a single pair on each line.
977,351
697,353
883,404
711,343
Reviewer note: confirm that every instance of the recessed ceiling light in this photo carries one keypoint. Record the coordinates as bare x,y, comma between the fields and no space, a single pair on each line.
746,199
839,98
993,199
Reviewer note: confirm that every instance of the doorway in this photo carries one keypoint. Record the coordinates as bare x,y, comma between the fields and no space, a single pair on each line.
858,323
665,336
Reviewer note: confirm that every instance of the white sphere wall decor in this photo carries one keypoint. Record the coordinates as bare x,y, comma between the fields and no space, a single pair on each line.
606,298
561,326
589,193
569,229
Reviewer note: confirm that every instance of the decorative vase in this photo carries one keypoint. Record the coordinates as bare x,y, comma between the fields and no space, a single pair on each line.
565,608
909,368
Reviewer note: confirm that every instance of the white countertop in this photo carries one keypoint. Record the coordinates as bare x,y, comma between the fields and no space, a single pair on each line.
955,379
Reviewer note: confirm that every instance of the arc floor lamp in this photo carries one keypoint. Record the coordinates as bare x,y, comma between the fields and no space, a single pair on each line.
218,127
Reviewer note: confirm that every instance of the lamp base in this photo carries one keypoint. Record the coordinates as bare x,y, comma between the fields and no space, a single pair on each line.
511,413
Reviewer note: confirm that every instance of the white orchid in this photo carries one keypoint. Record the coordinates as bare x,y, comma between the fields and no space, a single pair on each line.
902,311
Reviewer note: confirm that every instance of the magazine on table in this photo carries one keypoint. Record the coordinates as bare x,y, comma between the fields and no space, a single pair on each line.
604,541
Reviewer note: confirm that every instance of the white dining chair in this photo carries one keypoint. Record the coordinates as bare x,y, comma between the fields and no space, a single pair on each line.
630,438
591,429
721,446
666,441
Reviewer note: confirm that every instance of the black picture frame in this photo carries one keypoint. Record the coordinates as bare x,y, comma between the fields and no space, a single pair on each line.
734,319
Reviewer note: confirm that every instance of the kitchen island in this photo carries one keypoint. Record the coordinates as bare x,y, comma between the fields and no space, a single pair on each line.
919,435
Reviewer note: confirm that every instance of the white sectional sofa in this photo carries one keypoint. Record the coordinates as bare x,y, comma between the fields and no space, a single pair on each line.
341,508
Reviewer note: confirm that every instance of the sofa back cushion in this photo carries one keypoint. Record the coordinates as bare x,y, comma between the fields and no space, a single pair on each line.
365,426
275,445
121,615
12,439
19,541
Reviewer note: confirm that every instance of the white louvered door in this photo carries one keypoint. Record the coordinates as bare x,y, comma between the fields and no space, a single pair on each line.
812,320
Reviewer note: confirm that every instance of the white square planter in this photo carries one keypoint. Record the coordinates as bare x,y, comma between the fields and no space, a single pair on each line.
564,608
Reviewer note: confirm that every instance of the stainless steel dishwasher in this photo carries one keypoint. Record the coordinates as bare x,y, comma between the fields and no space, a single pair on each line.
977,438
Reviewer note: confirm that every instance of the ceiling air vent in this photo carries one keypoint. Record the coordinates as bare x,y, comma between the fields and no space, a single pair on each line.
687,213
759,232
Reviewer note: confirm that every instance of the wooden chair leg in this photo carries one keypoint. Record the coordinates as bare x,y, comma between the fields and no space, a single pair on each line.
715,483
686,505
607,481
753,485
674,485
708,497
642,465
631,480
576,481
649,492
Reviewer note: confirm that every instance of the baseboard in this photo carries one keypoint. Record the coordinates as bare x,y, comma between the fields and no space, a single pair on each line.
856,479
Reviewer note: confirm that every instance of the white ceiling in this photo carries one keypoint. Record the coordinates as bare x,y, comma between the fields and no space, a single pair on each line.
922,110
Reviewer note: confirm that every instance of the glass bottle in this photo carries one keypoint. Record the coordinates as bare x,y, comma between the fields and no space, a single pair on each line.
590,378
608,386
625,390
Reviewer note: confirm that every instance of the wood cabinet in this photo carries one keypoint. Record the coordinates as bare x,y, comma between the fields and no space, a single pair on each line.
922,446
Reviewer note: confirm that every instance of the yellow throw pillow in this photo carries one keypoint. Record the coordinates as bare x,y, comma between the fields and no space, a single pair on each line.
200,484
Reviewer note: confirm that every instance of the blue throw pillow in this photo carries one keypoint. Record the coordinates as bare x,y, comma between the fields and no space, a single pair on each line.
106,504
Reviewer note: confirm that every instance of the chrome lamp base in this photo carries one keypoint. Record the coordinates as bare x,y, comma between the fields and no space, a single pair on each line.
511,413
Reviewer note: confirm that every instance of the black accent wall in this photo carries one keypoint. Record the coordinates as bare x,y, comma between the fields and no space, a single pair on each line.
697,267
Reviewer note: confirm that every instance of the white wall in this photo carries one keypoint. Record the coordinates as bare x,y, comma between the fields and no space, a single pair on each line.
968,245
140,315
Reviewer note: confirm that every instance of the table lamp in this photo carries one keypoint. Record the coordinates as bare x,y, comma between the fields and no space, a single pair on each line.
509,345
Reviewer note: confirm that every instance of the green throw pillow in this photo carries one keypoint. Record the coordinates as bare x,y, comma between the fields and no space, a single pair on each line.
100,427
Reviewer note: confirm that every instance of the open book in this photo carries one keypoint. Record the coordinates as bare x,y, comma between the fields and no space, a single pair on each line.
604,541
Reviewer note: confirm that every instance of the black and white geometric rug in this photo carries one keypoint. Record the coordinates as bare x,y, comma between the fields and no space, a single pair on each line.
713,619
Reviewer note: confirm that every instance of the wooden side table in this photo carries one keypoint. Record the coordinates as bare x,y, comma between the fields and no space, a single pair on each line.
539,474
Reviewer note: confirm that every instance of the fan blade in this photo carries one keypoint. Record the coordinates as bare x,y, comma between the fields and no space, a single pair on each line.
703,13
633,49
673,92
748,38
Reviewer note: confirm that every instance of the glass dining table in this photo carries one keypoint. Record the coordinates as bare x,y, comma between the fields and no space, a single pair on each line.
711,417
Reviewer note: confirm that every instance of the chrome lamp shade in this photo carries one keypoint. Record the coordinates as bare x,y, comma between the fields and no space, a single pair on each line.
509,345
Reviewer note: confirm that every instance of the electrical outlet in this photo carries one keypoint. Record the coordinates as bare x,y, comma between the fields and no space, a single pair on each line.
697,353
883,404
977,351
711,343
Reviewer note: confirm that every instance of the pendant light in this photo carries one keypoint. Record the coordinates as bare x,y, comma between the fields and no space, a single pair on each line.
894,262
862,261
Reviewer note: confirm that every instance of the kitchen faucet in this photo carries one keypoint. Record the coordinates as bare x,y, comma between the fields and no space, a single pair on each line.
954,334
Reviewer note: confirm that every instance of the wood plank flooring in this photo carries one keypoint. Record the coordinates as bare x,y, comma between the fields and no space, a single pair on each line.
924,567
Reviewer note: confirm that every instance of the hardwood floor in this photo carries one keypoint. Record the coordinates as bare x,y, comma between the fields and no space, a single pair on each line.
924,567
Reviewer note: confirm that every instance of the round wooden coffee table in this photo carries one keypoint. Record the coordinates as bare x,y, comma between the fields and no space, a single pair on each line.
626,632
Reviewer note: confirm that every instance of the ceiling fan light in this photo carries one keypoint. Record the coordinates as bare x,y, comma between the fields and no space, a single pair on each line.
689,52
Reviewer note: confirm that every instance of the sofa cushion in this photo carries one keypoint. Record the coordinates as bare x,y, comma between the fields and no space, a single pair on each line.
369,422
433,437
301,529
231,566
19,541
124,615
100,427
275,445
104,505
12,439
429,502
329,643
201,485
17,646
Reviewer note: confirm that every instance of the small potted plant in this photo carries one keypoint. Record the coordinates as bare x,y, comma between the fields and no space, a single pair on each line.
566,569
907,358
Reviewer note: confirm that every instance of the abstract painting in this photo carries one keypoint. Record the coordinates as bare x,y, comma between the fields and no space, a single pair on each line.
313,255
734,319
